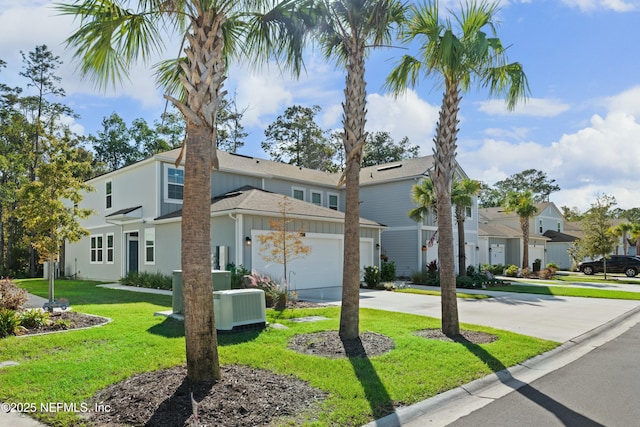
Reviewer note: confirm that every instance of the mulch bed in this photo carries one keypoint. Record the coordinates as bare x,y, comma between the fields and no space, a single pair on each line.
472,337
243,397
76,321
328,344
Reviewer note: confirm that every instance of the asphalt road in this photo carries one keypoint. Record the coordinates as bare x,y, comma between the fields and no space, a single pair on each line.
602,388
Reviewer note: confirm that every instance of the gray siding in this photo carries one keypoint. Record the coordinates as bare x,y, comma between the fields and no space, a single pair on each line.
402,248
387,203
557,253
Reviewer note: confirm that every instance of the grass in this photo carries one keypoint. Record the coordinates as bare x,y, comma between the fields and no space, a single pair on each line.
582,278
438,293
70,367
567,291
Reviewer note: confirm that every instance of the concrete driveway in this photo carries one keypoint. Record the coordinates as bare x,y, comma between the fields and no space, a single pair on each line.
544,316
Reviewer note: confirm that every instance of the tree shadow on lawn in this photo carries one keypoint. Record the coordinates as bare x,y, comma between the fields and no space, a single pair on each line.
374,389
566,415
173,328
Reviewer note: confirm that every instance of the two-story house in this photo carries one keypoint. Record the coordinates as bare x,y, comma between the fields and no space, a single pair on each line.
385,194
137,225
501,240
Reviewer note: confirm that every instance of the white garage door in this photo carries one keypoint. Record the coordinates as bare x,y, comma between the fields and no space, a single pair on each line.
319,269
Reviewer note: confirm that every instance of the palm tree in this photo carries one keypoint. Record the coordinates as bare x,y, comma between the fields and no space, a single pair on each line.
346,30
635,234
110,37
623,230
463,190
460,60
524,206
424,196
462,193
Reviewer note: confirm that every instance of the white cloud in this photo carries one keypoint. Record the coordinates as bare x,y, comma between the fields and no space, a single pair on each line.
615,5
407,115
536,107
597,159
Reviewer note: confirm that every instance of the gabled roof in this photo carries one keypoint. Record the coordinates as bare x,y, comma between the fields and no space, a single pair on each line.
499,212
259,202
498,230
253,166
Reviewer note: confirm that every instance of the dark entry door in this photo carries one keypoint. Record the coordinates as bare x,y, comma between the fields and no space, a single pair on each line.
133,256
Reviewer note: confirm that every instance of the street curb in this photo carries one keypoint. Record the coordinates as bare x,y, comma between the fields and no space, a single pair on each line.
506,377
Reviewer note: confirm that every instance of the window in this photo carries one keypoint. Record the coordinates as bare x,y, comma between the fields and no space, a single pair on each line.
467,211
96,249
175,185
108,190
316,198
110,246
150,246
297,193
333,202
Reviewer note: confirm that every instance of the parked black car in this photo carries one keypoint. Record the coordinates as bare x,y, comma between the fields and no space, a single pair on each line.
629,265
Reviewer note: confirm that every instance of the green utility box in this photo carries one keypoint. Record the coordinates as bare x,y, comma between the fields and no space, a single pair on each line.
221,282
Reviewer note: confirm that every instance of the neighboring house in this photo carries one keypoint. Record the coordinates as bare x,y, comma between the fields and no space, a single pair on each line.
137,225
138,219
501,241
385,194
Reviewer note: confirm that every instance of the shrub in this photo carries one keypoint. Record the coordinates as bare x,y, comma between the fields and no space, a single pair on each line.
372,276
389,286
546,274
425,278
471,270
432,269
525,272
553,266
148,280
9,322
34,319
388,271
465,282
237,273
11,296
495,269
273,294
511,271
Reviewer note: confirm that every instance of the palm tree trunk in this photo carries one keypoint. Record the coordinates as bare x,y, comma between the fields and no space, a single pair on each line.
524,225
203,82
197,288
444,156
354,137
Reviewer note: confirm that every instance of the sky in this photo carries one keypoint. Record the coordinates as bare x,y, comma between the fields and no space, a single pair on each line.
580,124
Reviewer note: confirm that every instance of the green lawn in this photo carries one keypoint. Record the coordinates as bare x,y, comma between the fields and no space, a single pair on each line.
567,291
70,367
438,293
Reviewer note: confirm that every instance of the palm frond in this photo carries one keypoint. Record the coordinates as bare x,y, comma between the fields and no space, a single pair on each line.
111,37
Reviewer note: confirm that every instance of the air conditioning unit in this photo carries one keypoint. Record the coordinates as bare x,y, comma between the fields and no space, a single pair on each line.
239,309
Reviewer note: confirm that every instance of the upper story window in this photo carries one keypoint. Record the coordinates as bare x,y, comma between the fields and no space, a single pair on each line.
333,202
540,226
297,193
316,198
109,197
558,226
467,211
174,185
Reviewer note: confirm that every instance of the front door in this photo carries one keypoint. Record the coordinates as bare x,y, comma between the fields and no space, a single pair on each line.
132,253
